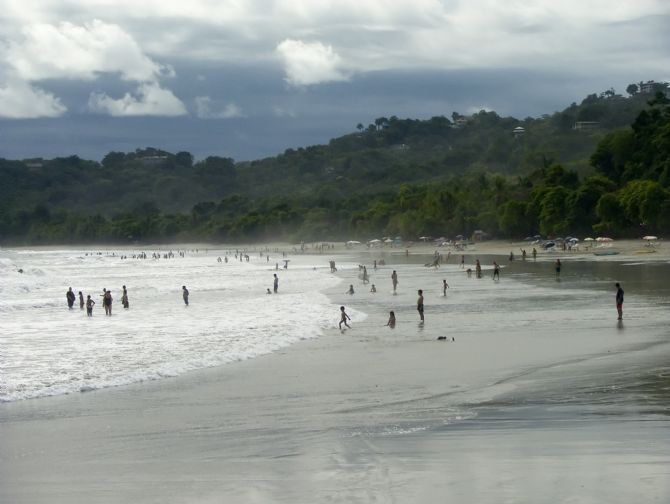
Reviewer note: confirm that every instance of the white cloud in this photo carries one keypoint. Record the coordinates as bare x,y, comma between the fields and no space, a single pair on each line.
19,100
307,63
205,109
148,99
69,51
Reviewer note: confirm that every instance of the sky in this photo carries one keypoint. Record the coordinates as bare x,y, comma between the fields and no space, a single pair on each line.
250,78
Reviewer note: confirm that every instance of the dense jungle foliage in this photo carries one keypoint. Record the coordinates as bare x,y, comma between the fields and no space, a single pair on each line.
601,166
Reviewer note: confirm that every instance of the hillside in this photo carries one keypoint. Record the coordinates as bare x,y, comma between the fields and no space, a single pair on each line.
442,175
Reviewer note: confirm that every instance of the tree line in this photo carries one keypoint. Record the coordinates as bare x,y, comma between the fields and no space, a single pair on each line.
396,177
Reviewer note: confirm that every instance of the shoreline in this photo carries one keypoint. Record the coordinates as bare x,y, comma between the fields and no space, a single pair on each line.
371,414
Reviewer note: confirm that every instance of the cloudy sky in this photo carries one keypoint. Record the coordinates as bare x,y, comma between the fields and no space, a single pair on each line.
250,78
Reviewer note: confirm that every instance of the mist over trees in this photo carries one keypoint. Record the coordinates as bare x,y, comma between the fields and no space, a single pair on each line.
599,166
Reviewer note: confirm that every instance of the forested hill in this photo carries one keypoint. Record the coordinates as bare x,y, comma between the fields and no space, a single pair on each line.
396,176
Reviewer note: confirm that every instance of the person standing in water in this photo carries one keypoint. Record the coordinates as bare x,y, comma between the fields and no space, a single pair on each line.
534,253
496,271
391,322
394,279
184,294
89,306
419,304
107,302
619,300
81,300
445,286
343,318
69,295
558,267
124,298
276,283
351,289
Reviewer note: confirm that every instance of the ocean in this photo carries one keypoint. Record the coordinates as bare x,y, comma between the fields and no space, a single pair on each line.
48,349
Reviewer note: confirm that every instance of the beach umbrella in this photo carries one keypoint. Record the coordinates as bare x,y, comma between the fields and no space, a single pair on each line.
650,238
604,239
375,241
353,242
588,239
388,240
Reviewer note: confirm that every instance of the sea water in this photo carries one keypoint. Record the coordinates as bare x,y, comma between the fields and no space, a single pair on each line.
47,349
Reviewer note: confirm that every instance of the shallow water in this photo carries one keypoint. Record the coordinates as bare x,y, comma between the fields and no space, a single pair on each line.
48,349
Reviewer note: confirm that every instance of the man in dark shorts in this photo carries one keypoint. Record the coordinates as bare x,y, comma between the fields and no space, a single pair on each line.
70,298
619,300
419,304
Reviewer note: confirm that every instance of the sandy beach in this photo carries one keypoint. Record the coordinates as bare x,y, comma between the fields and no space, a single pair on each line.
537,394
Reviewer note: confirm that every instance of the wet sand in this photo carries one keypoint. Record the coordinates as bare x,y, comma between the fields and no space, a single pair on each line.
542,397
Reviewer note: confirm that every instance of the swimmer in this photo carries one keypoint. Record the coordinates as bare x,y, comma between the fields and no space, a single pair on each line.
269,291
351,289
373,289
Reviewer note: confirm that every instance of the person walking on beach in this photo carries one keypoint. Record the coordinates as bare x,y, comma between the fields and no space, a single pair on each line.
558,267
124,298
184,294
391,321
496,271
394,279
89,306
276,283
343,318
445,286
619,300
107,302
69,295
419,304
81,300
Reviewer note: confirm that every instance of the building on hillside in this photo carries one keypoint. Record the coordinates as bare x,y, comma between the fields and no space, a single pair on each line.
647,87
459,122
585,125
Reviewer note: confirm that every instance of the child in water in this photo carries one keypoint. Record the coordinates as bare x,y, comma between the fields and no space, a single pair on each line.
89,306
344,317
351,289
